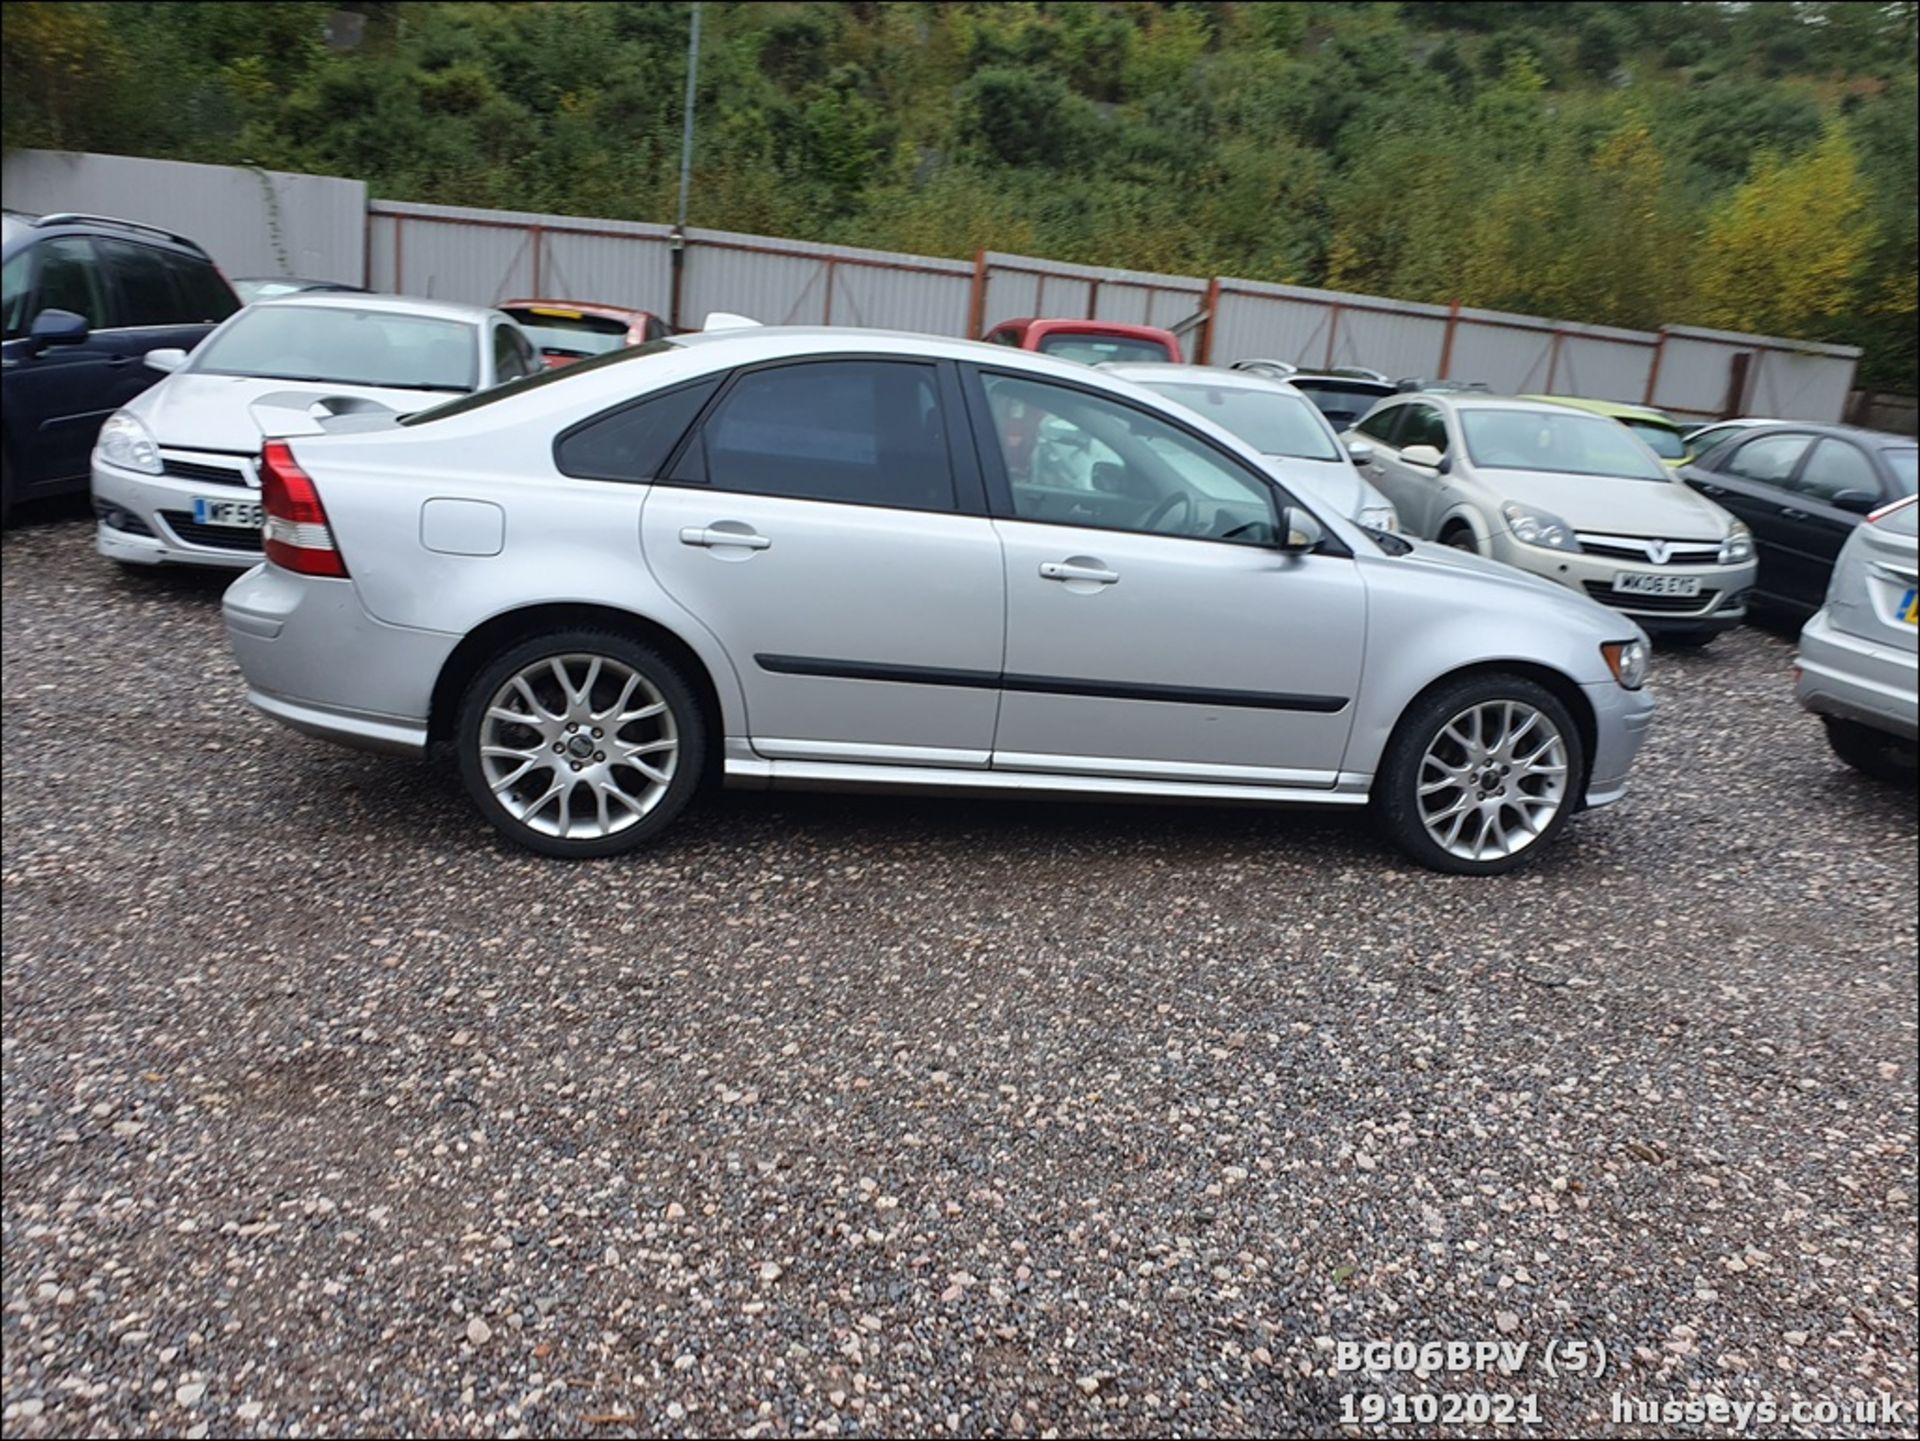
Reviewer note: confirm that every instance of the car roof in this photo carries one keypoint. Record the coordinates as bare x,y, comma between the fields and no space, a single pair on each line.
585,307
21,225
1836,429
390,304
1480,400
1619,410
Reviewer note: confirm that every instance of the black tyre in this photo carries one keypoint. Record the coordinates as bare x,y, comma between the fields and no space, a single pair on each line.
580,744
1460,537
1871,752
1480,775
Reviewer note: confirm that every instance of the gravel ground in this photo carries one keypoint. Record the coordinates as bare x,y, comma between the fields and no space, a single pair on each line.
324,1114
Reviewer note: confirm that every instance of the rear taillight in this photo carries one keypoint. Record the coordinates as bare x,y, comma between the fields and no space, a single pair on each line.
1875,516
298,537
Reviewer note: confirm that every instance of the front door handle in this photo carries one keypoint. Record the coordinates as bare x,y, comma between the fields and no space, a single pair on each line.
1791,514
119,362
712,535
1706,489
1068,570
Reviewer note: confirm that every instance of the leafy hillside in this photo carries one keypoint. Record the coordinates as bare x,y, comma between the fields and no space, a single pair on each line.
1750,167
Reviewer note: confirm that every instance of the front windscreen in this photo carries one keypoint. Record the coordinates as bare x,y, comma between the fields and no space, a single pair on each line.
1269,421
338,345
1568,443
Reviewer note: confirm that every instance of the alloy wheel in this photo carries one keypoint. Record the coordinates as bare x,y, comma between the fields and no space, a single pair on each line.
1492,780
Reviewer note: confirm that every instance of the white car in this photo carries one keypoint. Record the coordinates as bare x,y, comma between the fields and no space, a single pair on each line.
1577,499
175,476
1301,444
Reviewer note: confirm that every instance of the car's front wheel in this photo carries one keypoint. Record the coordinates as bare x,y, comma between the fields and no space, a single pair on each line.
1481,774
1871,752
580,744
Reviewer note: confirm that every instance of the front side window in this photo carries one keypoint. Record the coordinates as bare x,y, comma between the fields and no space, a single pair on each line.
1272,422
144,281
1770,459
69,279
291,341
1834,467
1082,459
1566,443
1423,425
858,432
510,361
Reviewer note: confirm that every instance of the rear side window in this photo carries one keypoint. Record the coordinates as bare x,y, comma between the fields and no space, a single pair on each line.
70,279
204,296
144,282
632,443
1770,459
656,329
1836,467
859,432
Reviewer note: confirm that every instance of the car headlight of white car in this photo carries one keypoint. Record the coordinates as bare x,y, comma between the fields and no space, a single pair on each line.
124,442
1738,545
1532,526
1380,517
1627,659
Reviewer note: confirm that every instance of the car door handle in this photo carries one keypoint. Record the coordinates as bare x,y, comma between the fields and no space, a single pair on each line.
119,362
1791,514
709,535
1067,570
1706,489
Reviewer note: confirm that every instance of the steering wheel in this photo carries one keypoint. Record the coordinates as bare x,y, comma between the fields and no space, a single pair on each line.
1180,500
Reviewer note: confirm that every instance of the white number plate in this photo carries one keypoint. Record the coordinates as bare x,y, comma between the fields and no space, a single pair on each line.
1626,582
239,514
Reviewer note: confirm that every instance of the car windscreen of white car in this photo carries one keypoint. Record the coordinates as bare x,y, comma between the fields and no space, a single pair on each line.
285,340
1568,444
1901,460
1273,424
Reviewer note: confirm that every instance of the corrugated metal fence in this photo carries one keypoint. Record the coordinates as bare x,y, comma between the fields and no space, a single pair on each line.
487,256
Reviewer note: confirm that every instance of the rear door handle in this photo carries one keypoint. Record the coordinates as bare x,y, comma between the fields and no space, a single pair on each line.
1067,570
1791,514
709,536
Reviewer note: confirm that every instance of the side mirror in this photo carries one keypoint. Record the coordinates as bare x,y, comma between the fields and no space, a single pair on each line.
1300,533
57,327
1860,502
170,359
1359,452
1424,456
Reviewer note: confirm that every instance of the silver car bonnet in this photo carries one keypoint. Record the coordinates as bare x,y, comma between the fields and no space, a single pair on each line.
218,412
1662,508
1332,483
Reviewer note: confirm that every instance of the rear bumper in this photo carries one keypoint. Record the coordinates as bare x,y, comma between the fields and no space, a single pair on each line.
1857,679
1622,719
317,662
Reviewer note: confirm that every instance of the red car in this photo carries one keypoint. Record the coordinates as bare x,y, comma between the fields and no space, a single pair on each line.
1089,341
566,330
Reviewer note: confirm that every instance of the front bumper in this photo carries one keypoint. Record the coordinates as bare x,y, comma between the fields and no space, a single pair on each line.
1621,719
1857,679
1721,604
316,661
129,503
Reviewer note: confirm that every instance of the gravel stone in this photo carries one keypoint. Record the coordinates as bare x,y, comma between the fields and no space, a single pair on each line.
1021,1095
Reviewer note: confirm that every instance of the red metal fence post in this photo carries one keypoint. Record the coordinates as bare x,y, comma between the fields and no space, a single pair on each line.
1211,309
977,297
1553,360
399,283
1333,329
1446,344
538,232
1653,371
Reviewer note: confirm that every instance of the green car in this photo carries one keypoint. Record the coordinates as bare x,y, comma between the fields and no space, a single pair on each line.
1658,429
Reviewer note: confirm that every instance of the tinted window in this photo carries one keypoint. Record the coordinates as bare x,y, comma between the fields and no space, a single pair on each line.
1901,461
1770,459
1423,425
1381,424
1703,443
1270,421
203,294
632,443
861,432
286,340
1663,440
1096,349
69,279
1833,467
1081,459
145,284
656,329
510,361
13,289
1566,442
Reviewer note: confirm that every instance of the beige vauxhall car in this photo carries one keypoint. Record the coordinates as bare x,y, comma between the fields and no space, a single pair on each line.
1571,497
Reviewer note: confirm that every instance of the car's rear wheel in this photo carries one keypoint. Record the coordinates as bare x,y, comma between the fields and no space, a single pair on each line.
1871,752
1480,775
580,744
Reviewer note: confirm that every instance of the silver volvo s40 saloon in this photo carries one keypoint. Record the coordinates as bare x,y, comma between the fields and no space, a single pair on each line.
836,558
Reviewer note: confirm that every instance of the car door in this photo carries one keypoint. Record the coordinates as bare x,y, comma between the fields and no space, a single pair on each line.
1814,521
1753,479
1152,630
1380,429
164,300
825,525
1415,490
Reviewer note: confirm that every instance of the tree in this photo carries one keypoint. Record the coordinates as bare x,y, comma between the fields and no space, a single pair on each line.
1784,254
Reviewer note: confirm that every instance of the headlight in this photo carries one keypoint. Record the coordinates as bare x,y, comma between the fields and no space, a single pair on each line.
124,442
1380,517
1538,527
1627,659
1738,545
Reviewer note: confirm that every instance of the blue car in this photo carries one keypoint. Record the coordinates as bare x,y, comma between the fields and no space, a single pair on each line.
86,297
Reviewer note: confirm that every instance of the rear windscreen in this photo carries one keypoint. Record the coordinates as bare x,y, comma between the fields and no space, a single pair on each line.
1099,349
569,332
